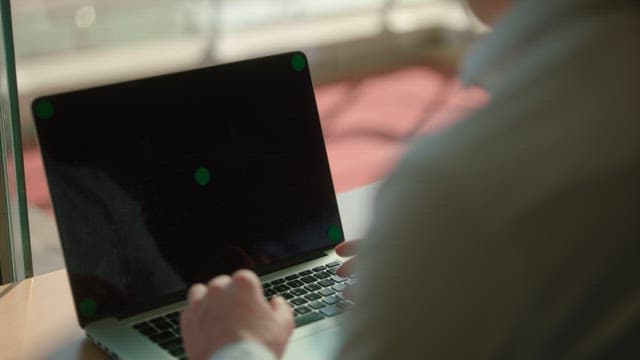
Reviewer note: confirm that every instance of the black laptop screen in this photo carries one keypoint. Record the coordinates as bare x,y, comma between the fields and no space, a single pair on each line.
165,181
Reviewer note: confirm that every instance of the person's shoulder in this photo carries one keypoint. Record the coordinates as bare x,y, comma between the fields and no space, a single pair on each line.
568,97
527,144
566,112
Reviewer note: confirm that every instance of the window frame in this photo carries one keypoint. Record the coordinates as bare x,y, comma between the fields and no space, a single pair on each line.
15,248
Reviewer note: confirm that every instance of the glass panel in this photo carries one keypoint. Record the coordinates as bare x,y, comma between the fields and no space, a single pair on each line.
15,251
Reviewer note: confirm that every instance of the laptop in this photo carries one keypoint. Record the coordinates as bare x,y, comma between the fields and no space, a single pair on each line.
162,182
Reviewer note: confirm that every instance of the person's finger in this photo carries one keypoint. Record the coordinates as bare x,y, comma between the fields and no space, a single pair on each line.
196,293
347,268
348,248
278,303
186,319
247,283
282,309
219,283
218,286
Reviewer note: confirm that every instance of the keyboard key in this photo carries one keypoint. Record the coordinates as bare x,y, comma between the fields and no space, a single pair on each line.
337,278
313,287
351,282
317,305
326,292
269,292
312,297
281,288
333,264
330,300
299,292
318,268
162,337
326,282
287,295
156,321
267,285
171,344
292,277
278,281
332,271
173,315
298,301
305,272
302,310
145,329
322,275
308,318
165,325
295,283
309,279
345,305
331,310
339,287
177,352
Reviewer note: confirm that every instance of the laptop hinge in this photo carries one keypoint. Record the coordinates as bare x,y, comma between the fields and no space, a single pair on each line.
291,262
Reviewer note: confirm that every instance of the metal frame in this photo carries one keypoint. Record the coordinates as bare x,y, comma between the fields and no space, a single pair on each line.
15,247
5,268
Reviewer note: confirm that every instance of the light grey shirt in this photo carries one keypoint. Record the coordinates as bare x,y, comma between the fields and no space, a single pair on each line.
515,233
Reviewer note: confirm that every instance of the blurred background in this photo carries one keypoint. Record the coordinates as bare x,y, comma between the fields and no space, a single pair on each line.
384,70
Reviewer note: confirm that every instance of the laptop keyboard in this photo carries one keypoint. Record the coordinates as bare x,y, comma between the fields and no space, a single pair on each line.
314,294
165,331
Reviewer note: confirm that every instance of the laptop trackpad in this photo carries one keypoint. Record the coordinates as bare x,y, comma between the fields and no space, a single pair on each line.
319,346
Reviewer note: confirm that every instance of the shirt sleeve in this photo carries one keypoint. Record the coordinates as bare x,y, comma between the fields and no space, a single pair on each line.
243,350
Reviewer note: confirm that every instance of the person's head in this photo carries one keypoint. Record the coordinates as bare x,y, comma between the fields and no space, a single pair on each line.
489,11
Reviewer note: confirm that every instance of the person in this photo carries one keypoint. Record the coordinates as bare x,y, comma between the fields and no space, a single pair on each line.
513,234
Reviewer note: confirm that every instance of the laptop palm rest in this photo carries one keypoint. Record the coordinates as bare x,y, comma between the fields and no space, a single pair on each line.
324,344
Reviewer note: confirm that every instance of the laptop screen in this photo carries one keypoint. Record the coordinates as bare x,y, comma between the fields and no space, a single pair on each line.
166,181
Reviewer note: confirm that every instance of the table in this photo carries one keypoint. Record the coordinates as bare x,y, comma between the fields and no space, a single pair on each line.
37,319
39,322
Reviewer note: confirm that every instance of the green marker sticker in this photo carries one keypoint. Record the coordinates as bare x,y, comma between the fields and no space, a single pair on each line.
88,307
44,109
202,176
334,234
298,62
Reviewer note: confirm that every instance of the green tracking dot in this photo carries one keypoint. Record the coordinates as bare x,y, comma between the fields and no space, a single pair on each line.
88,307
334,233
44,109
202,176
298,62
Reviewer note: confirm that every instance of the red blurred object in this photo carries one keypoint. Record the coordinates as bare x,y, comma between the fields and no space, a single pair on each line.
367,122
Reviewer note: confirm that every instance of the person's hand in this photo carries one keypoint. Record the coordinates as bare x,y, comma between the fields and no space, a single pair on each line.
231,309
347,249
